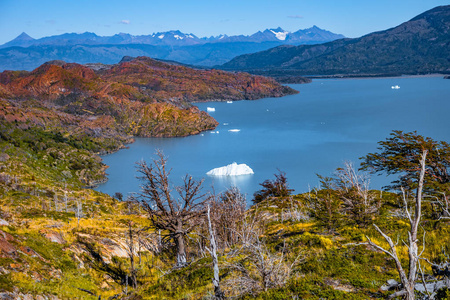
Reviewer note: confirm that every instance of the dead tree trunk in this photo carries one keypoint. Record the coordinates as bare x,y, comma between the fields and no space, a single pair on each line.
181,250
131,255
174,217
408,280
218,294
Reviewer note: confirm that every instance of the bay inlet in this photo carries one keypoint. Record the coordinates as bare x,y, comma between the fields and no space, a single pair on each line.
314,132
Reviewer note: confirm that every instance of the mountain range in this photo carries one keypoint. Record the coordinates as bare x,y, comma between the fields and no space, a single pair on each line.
27,53
313,35
418,46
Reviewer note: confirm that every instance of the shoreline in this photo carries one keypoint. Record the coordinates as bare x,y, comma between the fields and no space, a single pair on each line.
374,76
347,76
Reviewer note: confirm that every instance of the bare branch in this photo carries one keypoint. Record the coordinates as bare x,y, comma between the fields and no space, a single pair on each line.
175,217
408,282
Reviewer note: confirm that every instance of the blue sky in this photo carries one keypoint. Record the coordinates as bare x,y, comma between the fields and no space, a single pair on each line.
352,18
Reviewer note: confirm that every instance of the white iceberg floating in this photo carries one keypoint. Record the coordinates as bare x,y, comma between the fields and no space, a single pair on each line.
231,170
229,101
210,109
395,87
234,130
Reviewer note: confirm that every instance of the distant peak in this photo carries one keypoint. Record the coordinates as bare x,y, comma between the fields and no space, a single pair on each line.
279,29
314,28
24,37
279,33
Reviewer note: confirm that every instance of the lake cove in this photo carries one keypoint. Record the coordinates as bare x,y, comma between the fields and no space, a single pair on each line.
330,121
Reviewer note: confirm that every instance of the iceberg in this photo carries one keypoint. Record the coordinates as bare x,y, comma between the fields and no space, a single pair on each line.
210,109
395,87
231,170
234,130
229,101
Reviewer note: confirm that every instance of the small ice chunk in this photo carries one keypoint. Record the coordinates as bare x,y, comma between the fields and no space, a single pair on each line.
229,101
231,170
234,130
210,109
225,124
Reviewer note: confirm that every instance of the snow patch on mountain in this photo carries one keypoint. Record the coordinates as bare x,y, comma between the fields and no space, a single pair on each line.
281,35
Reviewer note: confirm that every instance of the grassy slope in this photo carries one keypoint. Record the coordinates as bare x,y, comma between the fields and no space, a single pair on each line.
333,266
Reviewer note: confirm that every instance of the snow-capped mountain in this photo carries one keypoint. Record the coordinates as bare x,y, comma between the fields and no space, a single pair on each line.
173,37
279,33
26,53
177,38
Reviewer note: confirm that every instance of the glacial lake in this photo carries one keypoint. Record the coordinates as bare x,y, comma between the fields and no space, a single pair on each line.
314,132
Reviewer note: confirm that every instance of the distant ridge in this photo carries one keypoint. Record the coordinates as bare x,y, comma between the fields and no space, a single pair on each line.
26,53
177,38
419,46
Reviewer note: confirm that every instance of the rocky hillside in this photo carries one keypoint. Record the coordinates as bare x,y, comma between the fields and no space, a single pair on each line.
419,46
158,80
138,97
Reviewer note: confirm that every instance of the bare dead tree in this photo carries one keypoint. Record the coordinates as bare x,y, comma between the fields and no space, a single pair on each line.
65,199
408,279
175,217
79,211
353,190
131,250
227,212
258,268
218,294
295,211
55,199
442,202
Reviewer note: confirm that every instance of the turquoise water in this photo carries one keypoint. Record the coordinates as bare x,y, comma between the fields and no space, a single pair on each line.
314,132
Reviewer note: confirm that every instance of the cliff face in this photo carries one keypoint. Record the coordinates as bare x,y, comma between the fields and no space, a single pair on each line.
139,97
